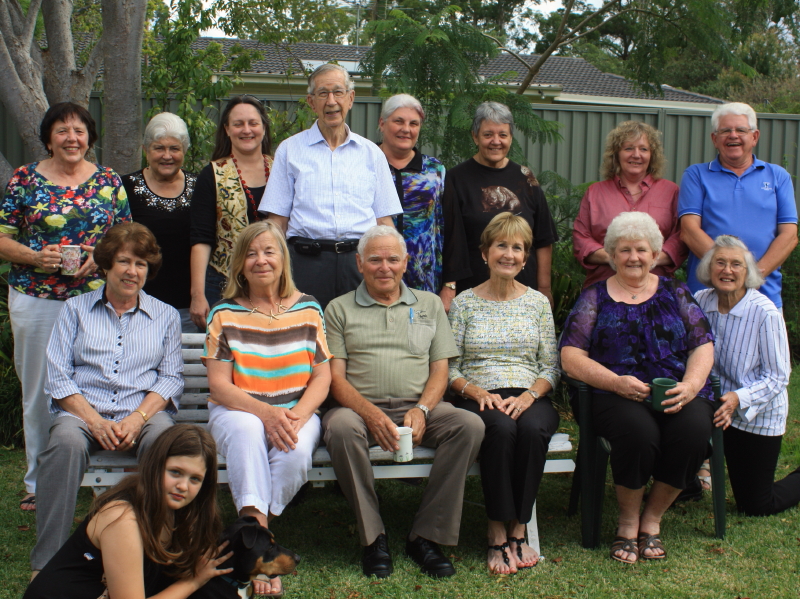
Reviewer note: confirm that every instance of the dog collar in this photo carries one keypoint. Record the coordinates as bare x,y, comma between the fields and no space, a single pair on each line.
243,589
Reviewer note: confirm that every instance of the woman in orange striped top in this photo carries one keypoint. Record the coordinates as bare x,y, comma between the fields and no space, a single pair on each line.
268,372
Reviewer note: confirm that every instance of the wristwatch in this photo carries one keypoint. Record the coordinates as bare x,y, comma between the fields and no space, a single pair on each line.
450,286
533,393
425,410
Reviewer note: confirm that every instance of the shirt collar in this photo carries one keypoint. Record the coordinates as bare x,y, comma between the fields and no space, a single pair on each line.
738,310
315,135
363,298
145,303
648,181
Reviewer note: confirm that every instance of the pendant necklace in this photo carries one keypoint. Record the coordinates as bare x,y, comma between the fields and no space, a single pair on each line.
272,315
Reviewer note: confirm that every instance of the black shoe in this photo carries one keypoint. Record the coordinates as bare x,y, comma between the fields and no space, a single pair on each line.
377,561
429,558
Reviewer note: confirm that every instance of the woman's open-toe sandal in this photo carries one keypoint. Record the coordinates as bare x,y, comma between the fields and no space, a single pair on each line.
648,541
502,549
519,542
622,544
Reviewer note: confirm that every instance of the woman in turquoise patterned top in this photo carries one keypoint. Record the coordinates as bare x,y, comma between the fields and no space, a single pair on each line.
419,180
507,365
62,200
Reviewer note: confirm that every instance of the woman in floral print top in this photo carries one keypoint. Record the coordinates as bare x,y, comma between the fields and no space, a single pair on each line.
62,200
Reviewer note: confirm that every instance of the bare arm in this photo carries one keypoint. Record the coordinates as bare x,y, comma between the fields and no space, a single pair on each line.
544,261
379,424
277,421
599,257
698,367
386,220
577,364
693,235
198,263
281,221
48,258
779,249
430,398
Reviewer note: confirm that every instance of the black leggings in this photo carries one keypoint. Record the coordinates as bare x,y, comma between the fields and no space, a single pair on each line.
513,454
645,443
752,460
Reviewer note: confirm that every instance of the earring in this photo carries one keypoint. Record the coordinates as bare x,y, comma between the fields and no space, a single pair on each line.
486,262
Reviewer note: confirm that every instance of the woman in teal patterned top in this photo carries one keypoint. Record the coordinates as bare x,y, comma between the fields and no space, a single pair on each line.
508,363
62,200
419,180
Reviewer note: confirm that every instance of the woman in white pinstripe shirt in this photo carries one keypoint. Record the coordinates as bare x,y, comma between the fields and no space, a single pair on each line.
751,358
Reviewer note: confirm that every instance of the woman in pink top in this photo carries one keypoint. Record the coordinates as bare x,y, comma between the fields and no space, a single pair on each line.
633,162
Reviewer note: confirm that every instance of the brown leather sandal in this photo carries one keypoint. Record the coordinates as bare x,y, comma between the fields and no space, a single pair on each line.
648,541
624,544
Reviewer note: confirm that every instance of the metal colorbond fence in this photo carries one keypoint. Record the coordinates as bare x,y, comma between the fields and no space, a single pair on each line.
584,128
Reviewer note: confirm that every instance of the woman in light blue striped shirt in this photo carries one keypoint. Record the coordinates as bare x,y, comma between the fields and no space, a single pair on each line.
751,358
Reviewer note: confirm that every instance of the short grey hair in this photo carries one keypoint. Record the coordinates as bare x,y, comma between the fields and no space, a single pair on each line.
402,101
753,280
633,226
736,109
380,231
326,68
494,112
163,125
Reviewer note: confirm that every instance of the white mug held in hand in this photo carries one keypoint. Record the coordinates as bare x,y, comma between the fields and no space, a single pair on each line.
70,259
406,451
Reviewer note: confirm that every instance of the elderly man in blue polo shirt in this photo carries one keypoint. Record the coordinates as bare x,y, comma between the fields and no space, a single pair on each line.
738,194
328,185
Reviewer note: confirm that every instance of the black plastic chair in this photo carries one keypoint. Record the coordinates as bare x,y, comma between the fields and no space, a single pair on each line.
589,478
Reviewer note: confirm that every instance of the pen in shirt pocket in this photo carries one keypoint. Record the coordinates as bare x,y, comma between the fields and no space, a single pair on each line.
411,315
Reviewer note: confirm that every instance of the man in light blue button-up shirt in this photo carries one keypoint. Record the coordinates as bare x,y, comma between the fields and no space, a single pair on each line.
327,186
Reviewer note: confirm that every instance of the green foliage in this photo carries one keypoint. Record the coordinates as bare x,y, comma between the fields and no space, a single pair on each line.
564,200
181,78
791,300
438,59
284,21
285,123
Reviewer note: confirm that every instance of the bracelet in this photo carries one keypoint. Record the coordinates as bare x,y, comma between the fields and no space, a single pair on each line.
144,414
461,393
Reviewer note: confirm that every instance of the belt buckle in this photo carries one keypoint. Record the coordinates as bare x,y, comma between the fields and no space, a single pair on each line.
341,243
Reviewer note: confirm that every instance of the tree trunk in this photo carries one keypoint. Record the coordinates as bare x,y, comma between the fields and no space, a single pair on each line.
6,171
123,22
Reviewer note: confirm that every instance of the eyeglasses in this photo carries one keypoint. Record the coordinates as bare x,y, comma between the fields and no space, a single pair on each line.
323,94
734,266
739,131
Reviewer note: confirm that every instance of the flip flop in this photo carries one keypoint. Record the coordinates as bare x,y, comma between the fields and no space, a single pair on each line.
502,549
624,544
29,499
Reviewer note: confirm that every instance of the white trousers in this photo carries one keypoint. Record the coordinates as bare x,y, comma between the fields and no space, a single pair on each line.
259,474
32,321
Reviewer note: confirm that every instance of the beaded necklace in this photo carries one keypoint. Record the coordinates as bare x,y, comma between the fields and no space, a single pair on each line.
244,184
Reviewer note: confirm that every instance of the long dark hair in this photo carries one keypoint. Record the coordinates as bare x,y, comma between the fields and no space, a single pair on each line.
197,526
222,147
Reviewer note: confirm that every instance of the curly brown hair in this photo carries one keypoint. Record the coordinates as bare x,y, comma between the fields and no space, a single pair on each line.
197,526
141,241
631,131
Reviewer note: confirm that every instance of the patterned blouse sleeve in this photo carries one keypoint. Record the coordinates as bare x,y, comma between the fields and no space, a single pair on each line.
216,347
457,324
122,209
581,321
547,352
698,329
11,209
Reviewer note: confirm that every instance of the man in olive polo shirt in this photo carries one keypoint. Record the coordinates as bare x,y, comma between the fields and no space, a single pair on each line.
391,346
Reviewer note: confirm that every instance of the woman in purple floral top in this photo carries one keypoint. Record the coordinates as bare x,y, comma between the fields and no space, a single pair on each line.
621,334
62,200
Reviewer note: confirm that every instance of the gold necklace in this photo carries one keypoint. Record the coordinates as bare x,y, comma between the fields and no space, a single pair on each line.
272,316
633,295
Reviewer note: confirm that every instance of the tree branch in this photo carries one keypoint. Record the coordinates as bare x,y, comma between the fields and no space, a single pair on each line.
569,40
83,80
30,24
6,170
501,47
607,6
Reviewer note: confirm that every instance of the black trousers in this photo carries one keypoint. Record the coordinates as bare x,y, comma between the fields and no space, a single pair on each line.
645,443
325,276
512,456
752,460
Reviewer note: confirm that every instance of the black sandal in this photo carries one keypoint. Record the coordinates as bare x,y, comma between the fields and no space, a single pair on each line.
501,548
519,542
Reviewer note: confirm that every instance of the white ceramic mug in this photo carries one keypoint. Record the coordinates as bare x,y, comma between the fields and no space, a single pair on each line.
406,451
70,259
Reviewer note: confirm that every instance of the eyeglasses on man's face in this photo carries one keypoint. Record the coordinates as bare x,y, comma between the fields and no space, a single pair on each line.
739,131
337,93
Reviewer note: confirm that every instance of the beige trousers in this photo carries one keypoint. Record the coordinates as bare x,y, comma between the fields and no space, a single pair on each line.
455,434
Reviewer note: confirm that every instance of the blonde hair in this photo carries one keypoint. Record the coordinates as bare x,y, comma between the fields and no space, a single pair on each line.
631,131
237,283
507,225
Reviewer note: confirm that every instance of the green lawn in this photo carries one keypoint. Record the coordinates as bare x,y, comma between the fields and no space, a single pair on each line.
759,558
